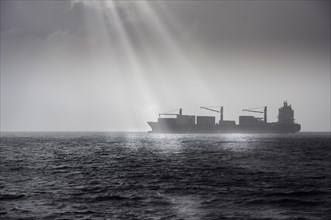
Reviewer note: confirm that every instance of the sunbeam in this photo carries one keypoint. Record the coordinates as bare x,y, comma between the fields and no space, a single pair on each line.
184,64
112,18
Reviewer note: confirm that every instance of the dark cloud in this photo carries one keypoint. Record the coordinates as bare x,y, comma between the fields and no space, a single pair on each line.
40,18
212,23
289,23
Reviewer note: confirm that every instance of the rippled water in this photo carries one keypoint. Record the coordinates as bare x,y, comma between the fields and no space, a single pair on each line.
151,176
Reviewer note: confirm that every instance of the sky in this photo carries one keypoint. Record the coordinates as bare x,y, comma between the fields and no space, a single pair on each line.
114,65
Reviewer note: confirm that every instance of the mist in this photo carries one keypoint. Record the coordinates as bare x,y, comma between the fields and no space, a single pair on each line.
114,65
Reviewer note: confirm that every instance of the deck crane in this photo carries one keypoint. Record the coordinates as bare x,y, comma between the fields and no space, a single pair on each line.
209,108
169,113
255,111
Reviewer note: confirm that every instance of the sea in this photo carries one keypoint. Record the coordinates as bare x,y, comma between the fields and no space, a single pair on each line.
165,176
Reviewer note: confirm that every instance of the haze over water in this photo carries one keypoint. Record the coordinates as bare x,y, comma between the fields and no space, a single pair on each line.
155,176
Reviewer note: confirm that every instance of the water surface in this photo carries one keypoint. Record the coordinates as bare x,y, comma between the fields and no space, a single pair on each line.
154,176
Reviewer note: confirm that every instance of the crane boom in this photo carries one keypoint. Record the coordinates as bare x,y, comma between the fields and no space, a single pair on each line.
213,110
264,112
248,110
180,113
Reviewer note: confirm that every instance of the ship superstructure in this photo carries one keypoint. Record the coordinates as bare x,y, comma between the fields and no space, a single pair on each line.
179,123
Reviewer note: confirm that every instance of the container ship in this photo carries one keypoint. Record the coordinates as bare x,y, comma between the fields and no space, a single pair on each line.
179,123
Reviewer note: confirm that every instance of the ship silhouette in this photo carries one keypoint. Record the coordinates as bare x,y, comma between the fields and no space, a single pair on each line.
179,123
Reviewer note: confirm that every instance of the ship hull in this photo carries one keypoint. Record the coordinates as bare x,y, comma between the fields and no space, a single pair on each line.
247,129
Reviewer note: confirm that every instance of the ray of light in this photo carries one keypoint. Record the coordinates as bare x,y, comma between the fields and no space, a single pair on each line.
111,15
134,66
100,66
173,46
